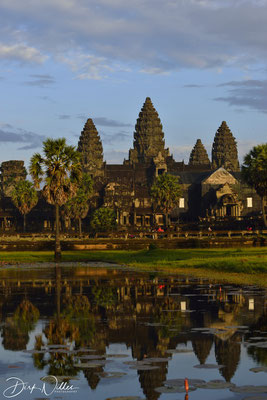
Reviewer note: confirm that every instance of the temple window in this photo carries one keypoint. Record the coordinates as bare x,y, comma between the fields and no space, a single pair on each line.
181,202
139,220
249,202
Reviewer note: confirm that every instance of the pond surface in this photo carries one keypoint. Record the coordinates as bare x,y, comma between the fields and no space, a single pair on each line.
95,332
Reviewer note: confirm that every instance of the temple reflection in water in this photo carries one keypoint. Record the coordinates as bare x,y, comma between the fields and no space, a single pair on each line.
83,311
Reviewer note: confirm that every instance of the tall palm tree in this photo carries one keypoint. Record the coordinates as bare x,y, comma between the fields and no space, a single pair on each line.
77,207
59,169
24,197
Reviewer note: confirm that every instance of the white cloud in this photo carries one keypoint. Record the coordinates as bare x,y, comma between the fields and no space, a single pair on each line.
87,66
154,36
22,53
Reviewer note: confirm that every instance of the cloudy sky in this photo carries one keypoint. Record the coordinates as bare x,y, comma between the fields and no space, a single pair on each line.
63,61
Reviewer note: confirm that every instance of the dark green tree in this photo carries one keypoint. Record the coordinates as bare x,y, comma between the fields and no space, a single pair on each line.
166,192
24,197
103,219
77,207
254,171
60,170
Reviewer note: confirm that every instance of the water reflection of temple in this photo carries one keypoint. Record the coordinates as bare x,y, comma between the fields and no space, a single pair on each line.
149,313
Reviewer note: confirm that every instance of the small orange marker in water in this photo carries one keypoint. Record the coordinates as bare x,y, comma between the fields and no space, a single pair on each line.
186,396
186,385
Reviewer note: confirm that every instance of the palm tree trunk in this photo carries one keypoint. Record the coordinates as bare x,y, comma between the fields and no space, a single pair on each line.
57,238
24,223
80,227
263,211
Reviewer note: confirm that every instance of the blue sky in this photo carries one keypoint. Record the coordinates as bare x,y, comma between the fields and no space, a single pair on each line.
63,61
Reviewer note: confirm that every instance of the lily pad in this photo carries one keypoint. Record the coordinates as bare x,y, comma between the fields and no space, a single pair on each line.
111,374
117,355
173,389
259,369
215,384
91,357
144,367
89,365
50,379
180,382
208,366
33,351
136,363
249,389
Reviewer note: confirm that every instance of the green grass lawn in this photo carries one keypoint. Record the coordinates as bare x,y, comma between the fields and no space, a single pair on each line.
247,264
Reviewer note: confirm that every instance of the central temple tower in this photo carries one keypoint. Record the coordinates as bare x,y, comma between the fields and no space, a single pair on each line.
149,144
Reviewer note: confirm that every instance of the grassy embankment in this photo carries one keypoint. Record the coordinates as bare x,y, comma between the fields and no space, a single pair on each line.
236,265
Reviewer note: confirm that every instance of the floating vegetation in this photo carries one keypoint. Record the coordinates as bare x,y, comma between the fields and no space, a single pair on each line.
111,374
33,351
157,359
215,384
84,350
173,389
137,363
144,367
249,389
90,364
117,355
51,379
180,382
91,357
259,369
63,351
208,366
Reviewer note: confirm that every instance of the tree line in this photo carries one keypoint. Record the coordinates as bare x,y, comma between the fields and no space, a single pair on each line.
66,186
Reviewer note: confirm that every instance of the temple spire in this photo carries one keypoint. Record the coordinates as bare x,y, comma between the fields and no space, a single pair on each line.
199,155
148,136
91,149
224,149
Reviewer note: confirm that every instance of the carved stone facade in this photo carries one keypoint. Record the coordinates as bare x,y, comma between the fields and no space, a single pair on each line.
211,191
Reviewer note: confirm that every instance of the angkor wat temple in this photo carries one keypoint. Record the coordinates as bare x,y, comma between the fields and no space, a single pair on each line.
212,189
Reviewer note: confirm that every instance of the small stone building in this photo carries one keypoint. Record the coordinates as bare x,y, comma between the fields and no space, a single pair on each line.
212,189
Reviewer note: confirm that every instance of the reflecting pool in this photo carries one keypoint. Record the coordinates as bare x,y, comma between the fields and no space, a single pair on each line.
97,332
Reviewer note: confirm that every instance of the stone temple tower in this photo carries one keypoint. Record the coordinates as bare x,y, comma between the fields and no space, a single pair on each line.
91,149
224,149
149,144
199,155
